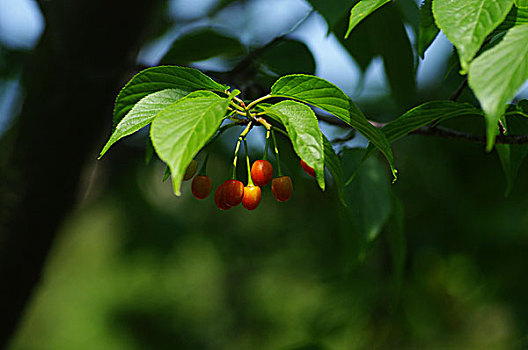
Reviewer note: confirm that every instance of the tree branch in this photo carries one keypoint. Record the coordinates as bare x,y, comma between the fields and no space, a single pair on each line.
459,90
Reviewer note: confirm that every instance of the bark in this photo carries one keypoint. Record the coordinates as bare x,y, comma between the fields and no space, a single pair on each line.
70,82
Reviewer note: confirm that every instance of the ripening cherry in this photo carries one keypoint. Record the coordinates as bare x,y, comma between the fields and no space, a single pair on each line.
233,192
282,188
308,169
261,172
191,170
252,197
220,198
201,186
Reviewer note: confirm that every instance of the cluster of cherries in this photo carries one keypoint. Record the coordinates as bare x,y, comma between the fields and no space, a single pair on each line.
233,192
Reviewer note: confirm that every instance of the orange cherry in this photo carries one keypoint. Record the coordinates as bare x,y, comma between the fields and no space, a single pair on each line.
261,172
252,195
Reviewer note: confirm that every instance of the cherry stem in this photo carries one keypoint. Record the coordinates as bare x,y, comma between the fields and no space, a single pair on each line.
250,180
276,151
265,157
241,137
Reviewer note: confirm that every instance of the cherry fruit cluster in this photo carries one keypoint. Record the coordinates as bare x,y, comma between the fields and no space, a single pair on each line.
232,192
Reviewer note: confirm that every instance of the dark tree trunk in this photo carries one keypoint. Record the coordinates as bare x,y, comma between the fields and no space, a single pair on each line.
70,83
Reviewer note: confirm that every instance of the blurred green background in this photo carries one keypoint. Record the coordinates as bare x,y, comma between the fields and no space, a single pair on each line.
134,267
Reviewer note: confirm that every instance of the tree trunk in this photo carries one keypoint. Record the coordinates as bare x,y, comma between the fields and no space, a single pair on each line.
70,82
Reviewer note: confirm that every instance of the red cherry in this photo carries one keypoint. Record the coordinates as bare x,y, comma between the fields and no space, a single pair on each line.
309,170
201,186
191,170
282,188
220,198
252,197
261,172
233,192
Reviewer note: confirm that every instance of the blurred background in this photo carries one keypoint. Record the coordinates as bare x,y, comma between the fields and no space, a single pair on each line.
99,254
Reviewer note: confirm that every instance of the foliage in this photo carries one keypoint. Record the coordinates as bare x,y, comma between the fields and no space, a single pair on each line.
189,110
214,90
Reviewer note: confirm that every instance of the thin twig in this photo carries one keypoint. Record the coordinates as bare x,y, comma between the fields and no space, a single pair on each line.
459,90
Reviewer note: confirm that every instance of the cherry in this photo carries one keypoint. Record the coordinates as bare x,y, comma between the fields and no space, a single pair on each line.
201,186
191,170
282,188
220,198
252,196
233,192
261,172
309,170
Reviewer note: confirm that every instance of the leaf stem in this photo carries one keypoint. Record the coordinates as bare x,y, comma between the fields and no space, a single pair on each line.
260,99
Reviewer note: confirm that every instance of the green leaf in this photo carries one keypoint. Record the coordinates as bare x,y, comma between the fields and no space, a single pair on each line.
417,117
497,74
428,29
383,33
467,23
425,114
521,3
166,174
142,114
313,90
333,10
376,138
369,196
361,10
149,151
325,95
512,156
182,129
410,11
516,17
303,129
287,57
202,44
333,164
158,78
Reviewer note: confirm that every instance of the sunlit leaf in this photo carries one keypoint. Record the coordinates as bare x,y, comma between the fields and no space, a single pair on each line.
497,74
467,23
303,129
158,78
182,129
325,95
142,114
